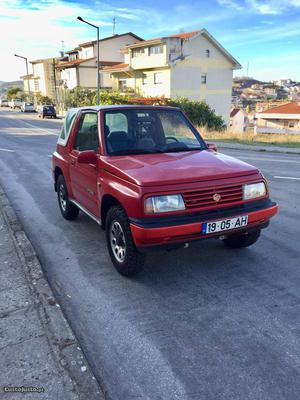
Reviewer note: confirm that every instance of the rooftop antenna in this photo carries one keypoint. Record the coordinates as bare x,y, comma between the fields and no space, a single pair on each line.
114,25
62,52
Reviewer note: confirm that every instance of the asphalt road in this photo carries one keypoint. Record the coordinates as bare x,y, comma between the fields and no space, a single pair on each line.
204,323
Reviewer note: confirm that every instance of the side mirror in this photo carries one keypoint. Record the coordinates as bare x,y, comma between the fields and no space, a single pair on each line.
87,157
212,147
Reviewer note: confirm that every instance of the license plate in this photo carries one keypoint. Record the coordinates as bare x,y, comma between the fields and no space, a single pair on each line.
224,224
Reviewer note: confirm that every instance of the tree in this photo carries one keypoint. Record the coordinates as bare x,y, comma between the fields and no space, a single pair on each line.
80,97
13,92
43,99
199,113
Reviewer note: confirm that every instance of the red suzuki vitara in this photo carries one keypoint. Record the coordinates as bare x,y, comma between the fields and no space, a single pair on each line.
145,174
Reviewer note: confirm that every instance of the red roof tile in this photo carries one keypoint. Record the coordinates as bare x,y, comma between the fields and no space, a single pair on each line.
73,62
26,77
183,35
234,112
116,67
108,63
289,108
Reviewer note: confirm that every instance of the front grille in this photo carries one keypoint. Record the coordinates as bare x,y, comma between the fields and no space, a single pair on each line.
203,198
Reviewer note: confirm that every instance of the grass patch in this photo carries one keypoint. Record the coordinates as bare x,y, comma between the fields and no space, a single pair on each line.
249,138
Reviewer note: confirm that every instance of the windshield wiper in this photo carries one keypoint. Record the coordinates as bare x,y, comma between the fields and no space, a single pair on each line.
133,151
178,149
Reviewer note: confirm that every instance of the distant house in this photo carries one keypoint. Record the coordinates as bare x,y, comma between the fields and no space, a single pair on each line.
190,64
237,122
282,119
43,77
80,67
28,79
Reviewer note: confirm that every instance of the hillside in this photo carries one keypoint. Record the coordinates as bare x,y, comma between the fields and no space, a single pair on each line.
4,86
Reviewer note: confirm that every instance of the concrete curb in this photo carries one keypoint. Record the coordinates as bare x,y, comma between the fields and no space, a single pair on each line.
77,375
257,148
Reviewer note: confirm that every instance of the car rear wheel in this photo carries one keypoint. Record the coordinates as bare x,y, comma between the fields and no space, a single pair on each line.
68,210
126,258
239,240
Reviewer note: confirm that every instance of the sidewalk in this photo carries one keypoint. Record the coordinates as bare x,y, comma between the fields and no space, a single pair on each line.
241,146
38,351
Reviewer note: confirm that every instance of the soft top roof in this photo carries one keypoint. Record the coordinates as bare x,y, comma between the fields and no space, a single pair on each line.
121,106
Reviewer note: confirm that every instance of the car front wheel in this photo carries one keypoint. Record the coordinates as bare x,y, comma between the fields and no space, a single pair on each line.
126,258
239,240
68,210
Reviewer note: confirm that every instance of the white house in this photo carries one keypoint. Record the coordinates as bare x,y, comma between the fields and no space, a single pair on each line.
190,64
237,122
281,119
80,69
42,79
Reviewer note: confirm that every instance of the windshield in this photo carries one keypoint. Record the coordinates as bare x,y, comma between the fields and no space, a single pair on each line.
140,131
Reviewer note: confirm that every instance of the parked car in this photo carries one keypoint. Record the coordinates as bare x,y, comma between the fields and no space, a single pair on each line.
3,102
47,110
146,175
15,103
27,107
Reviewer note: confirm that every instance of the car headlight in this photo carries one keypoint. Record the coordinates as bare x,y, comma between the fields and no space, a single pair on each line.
254,190
160,204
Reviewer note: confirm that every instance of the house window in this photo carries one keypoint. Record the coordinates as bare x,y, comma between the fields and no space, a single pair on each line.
156,50
207,53
291,125
137,52
36,85
122,84
158,77
145,79
203,78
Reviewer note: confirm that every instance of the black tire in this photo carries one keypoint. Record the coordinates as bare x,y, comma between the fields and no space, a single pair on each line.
239,240
127,260
68,210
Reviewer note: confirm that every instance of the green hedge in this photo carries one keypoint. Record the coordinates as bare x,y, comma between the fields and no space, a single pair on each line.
199,112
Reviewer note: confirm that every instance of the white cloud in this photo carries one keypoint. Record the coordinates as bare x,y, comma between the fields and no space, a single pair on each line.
231,3
264,7
36,30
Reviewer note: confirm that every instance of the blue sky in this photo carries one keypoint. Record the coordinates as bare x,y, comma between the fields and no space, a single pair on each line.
265,33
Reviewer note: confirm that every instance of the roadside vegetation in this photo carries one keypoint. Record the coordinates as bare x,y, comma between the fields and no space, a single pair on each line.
199,112
15,93
285,140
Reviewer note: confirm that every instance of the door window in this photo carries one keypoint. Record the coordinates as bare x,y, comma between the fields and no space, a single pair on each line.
87,136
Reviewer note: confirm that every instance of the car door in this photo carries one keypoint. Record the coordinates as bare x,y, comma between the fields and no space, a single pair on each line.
84,176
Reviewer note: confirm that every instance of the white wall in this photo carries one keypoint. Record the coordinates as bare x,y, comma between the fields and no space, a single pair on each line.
151,88
110,50
38,71
237,123
186,76
86,52
149,61
70,77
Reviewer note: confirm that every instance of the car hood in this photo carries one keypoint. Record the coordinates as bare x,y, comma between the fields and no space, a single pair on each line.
174,168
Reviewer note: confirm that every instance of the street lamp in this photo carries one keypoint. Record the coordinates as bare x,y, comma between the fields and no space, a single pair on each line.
98,64
25,58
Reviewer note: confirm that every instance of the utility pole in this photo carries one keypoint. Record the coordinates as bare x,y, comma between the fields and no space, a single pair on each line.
114,25
26,60
54,77
248,68
98,57
63,47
